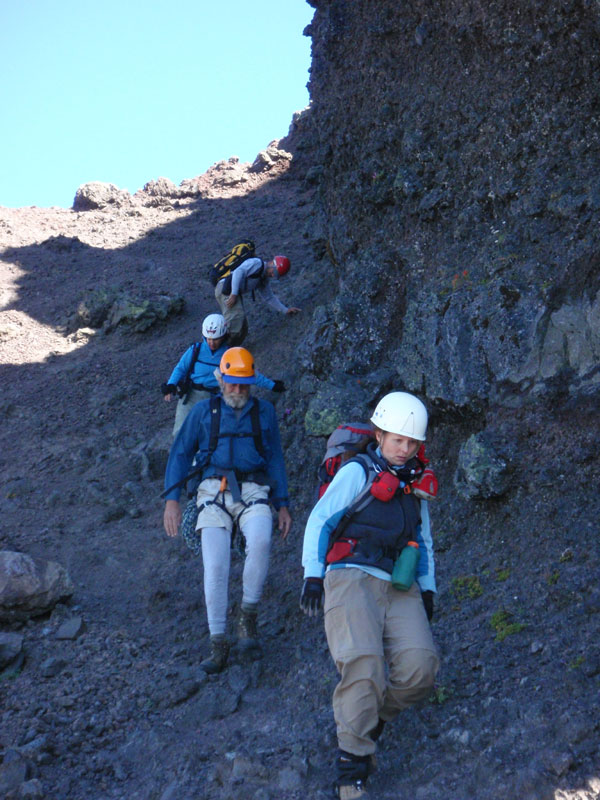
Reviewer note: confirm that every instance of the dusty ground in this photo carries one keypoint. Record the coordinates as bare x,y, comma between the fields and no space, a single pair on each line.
84,437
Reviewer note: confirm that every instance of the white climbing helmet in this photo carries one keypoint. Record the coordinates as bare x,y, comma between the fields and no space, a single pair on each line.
214,326
403,414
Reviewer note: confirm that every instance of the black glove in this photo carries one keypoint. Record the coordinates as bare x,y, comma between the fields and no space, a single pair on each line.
168,388
279,386
427,598
311,598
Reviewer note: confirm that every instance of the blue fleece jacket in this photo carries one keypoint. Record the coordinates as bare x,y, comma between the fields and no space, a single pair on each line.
204,368
233,451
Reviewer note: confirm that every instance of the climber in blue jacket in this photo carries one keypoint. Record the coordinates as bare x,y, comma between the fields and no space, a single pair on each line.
233,439
193,378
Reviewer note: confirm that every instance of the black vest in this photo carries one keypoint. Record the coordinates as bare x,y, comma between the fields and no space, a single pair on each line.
381,529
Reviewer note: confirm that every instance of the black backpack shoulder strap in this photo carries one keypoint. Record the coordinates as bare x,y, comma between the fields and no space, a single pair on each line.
262,277
365,496
256,430
195,354
215,424
185,384
360,501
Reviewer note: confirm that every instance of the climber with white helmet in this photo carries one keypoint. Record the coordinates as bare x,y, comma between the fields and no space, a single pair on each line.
368,554
193,378
252,275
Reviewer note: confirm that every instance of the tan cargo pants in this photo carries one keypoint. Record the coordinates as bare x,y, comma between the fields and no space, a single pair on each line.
237,324
369,625
183,409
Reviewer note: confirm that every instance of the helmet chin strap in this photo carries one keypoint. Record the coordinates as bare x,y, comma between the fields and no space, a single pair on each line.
408,472
404,471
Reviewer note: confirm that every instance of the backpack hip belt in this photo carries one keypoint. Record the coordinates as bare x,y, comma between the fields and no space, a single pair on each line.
200,387
376,534
235,477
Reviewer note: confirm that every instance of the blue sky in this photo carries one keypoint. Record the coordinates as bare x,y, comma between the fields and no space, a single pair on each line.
126,91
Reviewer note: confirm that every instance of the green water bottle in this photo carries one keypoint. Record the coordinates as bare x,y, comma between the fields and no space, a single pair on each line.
405,567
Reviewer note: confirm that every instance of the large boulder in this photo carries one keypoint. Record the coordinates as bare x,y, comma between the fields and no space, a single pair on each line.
483,471
162,187
11,647
334,402
268,158
160,192
107,308
139,315
228,173
98,195
30,586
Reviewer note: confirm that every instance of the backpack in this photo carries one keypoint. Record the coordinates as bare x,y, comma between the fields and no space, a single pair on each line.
225,266
185,384
347,439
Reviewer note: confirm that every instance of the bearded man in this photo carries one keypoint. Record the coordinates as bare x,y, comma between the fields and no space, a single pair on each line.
233,439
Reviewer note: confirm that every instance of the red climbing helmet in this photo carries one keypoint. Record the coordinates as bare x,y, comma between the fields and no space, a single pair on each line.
282,264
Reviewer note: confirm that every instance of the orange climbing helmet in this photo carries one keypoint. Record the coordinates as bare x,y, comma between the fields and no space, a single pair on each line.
282,265
237,366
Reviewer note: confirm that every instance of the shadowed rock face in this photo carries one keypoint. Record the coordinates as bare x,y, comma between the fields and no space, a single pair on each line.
460,194
456,154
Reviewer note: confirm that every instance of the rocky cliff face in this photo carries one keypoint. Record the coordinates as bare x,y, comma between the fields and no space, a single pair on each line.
456,153
460,149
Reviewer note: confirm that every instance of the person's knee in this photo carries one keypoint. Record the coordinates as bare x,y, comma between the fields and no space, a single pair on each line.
416,670
366,671
257,533
215,554
236,337
259,549
216,573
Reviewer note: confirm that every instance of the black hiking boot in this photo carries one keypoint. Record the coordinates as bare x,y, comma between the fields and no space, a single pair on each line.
217,659
248,634
352,774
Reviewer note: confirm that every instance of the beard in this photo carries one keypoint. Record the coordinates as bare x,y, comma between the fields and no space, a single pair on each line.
236,400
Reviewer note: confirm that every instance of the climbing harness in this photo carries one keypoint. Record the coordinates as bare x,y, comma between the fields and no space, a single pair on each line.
230,480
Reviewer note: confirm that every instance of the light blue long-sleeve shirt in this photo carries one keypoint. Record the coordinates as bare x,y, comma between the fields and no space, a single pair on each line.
204,368
347,484
249,277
